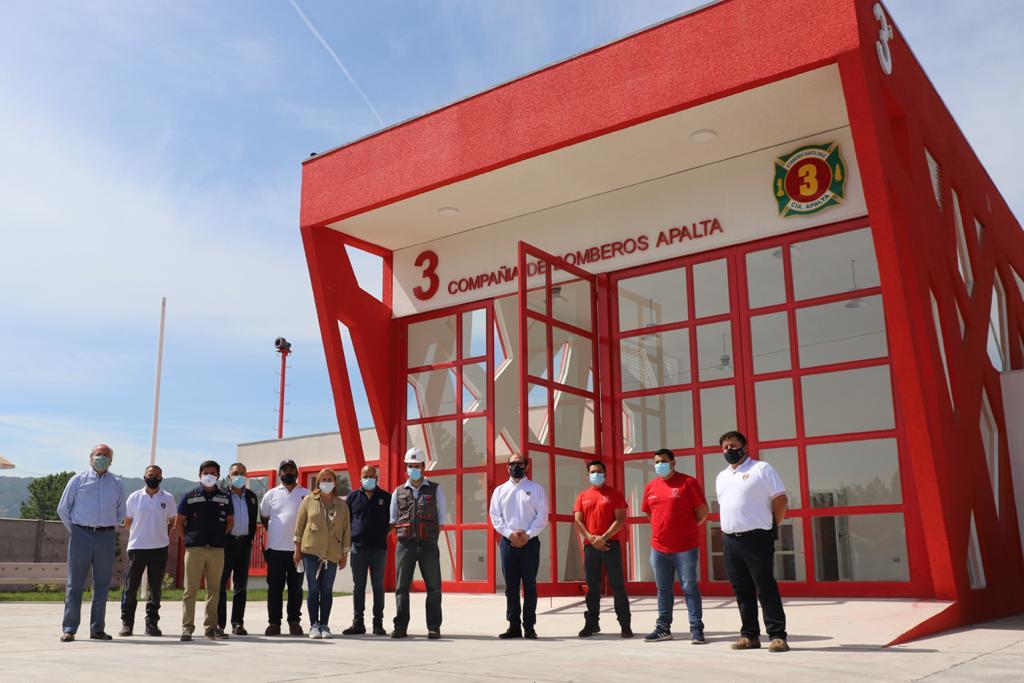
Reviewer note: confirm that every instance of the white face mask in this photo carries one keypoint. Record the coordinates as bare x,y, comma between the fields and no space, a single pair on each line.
208,480
326,486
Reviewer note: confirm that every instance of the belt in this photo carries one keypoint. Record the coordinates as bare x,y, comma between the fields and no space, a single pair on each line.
95,528
752,532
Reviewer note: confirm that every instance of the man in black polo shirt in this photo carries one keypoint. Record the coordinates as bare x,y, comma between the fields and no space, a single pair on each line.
370,511
205,515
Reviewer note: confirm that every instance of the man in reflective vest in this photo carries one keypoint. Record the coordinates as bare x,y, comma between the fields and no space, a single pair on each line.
417,513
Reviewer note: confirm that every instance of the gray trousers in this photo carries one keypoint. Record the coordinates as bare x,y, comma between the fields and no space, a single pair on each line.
95,549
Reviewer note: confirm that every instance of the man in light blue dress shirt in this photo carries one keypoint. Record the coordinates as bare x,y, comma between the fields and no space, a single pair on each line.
92,505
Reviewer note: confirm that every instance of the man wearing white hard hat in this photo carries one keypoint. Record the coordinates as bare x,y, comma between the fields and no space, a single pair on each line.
417,513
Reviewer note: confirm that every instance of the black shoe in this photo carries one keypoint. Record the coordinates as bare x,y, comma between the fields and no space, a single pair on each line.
398,633
99,635
378,630
356,629
529,632
433,634
153,631
219,634
512,632
295,629
273,630
125,631
238,630
67,637
589,630
657,635
210,633
627,632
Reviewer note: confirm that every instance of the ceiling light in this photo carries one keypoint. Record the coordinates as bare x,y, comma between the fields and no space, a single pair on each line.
448,211
703,135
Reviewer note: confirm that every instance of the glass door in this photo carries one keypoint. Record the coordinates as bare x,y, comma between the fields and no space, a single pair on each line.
558,398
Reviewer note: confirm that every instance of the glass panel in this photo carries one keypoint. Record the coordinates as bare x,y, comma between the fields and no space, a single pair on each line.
848,401
432,393
432,342
776,418
506,377
447,483
537,418
537,352
574,422
474,442
474,498
660,421
655,360
570,553
446,549
716,552
711,288
713,464
539,471
474,555
834,264
474,387
687,464
717,413
766,277
573,358
571,302
639,562
714,351
259,486
344,486
654,299
570,478
474,333
790,559
769,339
843,331
860,548
636,474
785,462
437,441
854,473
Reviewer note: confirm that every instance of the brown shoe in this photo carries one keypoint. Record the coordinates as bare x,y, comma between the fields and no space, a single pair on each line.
745,643
273,630
239,630
67,637
295,629
778,645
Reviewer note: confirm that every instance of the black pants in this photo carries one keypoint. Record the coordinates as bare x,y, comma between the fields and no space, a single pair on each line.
611,561
407,555
519,566
280,571
154,563
237,553
372,560
750,565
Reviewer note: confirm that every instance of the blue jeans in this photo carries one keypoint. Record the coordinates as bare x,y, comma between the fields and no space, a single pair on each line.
667,566
95,549
320,594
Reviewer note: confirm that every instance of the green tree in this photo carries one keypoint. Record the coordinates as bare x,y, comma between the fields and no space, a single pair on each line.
44,495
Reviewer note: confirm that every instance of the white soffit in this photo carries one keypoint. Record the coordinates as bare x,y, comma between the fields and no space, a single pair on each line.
770,115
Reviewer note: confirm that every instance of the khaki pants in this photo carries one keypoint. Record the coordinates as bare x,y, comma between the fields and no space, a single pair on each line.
199,562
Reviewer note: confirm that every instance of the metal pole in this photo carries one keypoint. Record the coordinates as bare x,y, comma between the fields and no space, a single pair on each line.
280,407
159,369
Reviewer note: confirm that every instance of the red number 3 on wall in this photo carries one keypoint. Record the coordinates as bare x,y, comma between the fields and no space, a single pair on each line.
427,260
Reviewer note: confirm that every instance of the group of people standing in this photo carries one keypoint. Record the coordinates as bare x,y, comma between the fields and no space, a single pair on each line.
312,533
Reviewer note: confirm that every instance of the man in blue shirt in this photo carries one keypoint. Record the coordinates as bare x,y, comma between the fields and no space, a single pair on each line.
370,511
237,550
92,505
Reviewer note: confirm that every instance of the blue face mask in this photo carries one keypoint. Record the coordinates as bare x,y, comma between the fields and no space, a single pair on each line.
662,468
101,463
238,481
414,473
597,478
369,483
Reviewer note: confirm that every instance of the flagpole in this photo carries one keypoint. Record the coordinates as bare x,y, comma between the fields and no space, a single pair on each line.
159,368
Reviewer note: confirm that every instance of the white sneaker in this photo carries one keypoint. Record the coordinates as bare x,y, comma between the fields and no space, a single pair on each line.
325,633
314,632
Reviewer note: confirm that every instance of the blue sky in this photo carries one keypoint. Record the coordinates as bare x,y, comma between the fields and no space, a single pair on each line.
152,149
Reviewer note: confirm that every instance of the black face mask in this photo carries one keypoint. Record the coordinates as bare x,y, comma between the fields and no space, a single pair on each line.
289,479
153,482
733,455
517,470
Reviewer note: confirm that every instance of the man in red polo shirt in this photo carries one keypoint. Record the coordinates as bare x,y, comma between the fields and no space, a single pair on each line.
676,505
600,513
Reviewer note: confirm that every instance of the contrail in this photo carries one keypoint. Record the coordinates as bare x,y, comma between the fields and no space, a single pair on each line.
337,61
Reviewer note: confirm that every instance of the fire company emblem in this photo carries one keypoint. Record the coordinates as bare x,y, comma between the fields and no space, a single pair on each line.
810,179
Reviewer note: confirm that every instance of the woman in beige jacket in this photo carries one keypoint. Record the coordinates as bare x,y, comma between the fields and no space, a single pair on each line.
322,541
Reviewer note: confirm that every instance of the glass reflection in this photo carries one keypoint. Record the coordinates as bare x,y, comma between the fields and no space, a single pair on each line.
655,360
654,299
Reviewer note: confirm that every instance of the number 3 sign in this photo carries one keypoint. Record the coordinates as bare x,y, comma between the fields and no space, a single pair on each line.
427,260
885,34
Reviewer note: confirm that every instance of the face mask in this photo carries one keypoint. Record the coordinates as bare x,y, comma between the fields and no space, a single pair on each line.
414,473
517,470
153,482
238,481
662,468
733,455
101,463
289,479
369,483
326,486
208,480
597,478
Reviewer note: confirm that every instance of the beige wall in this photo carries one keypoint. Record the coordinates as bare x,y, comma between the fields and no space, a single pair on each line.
314,449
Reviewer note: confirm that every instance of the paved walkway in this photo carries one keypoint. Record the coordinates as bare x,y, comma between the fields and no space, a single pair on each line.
832,640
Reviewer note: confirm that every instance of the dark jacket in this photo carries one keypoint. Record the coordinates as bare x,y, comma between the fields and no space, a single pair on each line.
253,506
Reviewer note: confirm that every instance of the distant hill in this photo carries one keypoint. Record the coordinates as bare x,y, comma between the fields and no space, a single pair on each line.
14,490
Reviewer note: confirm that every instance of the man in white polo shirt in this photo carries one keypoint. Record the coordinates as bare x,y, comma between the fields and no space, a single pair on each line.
150,514
752,502
278,510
